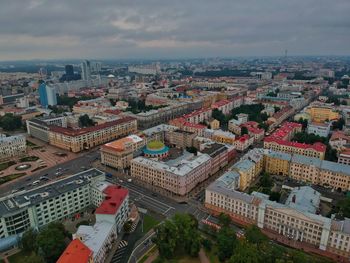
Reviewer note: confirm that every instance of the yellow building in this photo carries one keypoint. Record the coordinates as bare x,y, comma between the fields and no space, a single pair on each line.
322,113
86,138
277,162
223,137
214,124
119,153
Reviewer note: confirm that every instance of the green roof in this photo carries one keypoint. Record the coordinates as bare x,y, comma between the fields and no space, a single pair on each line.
155,145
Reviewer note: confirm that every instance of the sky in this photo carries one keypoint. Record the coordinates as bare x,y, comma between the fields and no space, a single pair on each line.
113,29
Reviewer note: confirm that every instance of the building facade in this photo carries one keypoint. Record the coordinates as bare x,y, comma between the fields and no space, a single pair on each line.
12,146
86,138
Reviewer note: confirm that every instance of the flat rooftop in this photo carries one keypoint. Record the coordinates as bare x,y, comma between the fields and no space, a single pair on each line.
47,191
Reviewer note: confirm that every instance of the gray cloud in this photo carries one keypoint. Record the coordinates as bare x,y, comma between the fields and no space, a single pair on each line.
164,28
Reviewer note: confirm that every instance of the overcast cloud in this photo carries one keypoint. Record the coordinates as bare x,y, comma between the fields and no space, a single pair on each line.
113,29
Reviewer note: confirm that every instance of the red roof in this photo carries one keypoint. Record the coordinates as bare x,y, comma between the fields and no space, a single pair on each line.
243,138
72,132
76,252
194,125
319,147
220,103
115,196
114,112
197,112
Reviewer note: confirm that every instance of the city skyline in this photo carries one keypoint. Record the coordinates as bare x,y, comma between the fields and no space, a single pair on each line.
123,29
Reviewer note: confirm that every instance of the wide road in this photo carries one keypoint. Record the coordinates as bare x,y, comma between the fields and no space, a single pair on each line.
74,166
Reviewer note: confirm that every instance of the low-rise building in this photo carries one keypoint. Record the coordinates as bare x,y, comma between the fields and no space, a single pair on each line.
76,252
119,153
12,146
242,143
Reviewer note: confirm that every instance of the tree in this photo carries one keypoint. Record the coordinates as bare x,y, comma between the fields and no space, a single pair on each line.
192,150
34,258
207,244
338,125
244,130
245,253
254,235
28,240
166,239
275,196
343,207
51,242
303,122
85,121
9,122
224,220
277,109
218,115
226,242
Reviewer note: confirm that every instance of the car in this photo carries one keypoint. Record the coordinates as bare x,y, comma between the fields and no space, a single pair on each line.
129,180
36,182
28,179
154,194
21,188
121,181
14,191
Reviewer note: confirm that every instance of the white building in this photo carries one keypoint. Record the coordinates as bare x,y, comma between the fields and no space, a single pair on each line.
12,146
320,129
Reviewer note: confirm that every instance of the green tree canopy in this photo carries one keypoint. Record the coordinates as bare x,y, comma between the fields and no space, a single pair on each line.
28,240
245,252
85,121
9,122
226,242
51,242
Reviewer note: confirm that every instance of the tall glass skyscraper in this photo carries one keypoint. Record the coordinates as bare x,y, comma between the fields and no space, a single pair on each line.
47,95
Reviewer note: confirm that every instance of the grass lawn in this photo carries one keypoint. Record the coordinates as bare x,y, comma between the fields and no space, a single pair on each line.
149,222
10,177
4,166
20,257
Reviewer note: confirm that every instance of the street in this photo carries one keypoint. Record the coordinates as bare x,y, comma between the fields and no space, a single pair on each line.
70,167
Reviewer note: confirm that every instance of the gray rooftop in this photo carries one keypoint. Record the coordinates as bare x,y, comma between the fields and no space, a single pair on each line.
304,199
47,191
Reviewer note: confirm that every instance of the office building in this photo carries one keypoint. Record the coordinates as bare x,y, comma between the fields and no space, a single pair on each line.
12,146
69,70
39,127
86,70
47,95
56,200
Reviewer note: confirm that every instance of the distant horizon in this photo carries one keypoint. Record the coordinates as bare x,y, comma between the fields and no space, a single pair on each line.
172,58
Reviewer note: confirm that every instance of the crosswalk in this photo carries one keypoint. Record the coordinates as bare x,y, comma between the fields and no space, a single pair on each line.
120,251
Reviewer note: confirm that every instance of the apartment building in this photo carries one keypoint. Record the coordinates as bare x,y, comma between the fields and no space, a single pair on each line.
42,205
198,116
119,153
225,106
344,157
111,214
219,154
76,252
293,223
12,146
224,137
178,176
280,141
86,138
180,139
243,142
163,115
